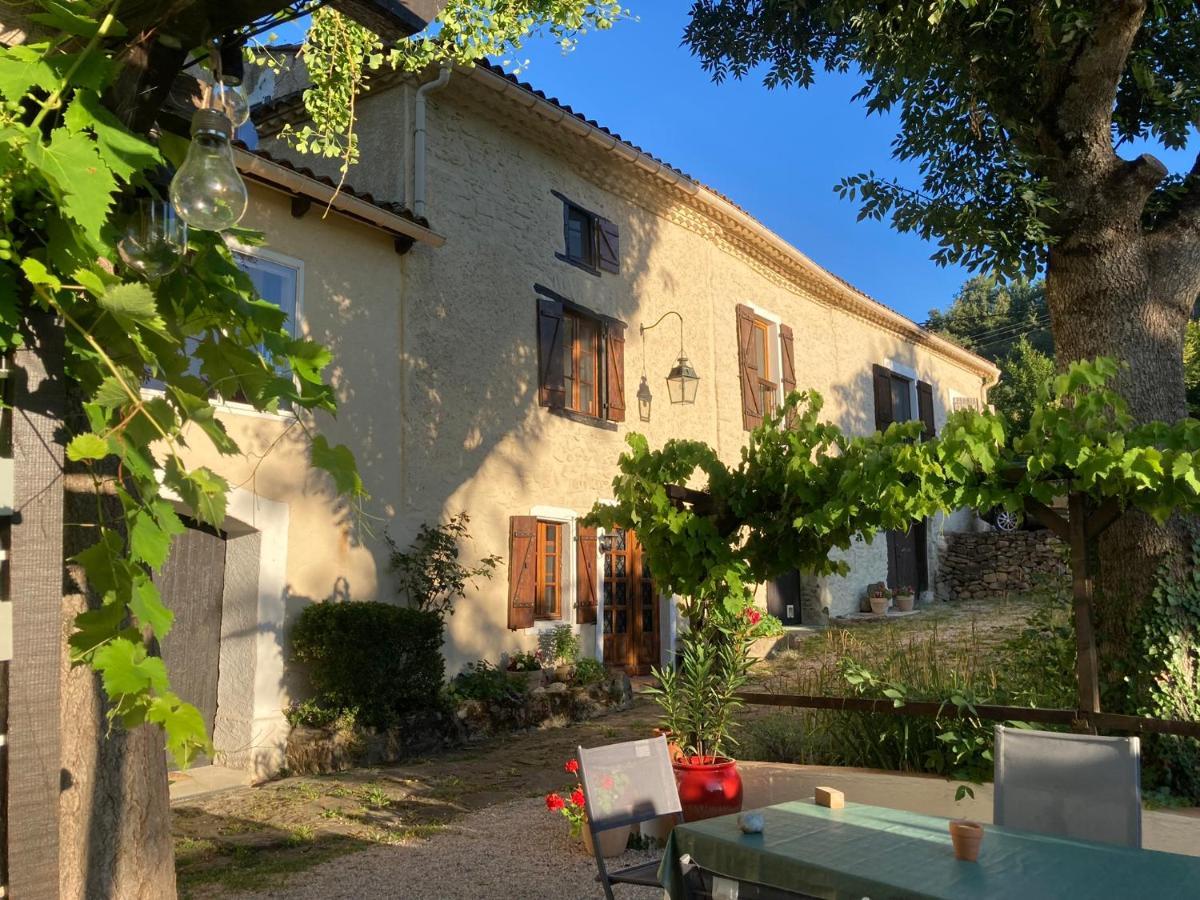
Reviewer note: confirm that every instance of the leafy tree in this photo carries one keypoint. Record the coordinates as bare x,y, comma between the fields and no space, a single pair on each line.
79,137
989,316
1014,113
1022,371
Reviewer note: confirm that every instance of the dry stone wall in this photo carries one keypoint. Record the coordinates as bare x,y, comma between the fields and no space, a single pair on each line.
976,566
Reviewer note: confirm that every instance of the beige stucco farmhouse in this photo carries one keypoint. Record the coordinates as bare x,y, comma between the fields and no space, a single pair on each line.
483,287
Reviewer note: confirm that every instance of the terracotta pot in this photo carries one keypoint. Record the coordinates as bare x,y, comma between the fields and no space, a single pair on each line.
708,786
673,749
904,602
658,829
613,841
966,837
879,605
563,672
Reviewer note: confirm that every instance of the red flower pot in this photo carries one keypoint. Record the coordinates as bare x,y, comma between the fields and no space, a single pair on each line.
708,786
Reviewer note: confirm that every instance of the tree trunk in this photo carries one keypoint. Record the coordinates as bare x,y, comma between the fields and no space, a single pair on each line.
115,816
1109,298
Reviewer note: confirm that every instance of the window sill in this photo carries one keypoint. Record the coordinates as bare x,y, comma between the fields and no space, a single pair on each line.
582,418
577,263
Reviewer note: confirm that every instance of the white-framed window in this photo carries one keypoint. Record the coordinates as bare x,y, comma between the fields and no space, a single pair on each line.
554,598
765,358
278,279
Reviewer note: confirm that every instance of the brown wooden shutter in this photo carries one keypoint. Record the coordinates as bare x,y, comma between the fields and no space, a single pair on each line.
614,372
551,386
522,570
608,246
752,415
925,409
883,397
585,575
787,359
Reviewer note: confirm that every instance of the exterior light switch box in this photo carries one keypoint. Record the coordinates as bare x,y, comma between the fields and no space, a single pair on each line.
6,638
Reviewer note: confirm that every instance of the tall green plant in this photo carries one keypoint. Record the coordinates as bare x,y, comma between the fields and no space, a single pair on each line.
428,574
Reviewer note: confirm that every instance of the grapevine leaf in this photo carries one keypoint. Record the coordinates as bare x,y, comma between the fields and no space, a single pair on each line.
339,463
111,394
37,273
124,153
184,727
132,302
87,446
201,489
148,541
146,604
94,627
125,668
69,162
60,16
22,67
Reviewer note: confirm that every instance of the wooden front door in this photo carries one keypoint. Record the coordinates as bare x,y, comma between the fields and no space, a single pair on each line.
631,607
906,558
192,584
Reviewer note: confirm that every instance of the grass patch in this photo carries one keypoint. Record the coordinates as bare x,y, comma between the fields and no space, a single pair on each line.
255,868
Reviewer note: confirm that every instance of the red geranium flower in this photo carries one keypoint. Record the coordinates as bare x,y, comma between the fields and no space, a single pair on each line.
754,616
554,802
577,797
572,766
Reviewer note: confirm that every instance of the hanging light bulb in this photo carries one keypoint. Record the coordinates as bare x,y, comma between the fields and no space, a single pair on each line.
231,100
207,190
154,240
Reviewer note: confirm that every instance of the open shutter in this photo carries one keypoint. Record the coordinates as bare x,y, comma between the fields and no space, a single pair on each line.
752,414
551,386
787,359
883,397
585,574
608,246
614,372
925,409
522,570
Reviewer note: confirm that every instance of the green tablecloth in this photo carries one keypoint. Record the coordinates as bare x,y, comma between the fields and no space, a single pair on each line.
867,851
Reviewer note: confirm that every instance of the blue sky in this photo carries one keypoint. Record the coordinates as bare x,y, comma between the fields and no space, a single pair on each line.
778,153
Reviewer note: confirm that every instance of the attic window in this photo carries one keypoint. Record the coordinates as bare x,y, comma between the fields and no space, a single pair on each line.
590,242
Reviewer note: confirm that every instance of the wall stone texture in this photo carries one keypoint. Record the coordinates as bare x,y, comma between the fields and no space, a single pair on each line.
978,566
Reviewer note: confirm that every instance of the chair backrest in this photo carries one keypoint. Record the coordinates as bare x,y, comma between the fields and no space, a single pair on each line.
1071,785
628,783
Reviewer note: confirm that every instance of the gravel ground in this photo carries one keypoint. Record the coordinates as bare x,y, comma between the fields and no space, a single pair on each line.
512,851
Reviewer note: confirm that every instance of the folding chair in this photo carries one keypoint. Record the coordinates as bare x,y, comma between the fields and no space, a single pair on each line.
1070,785
624,784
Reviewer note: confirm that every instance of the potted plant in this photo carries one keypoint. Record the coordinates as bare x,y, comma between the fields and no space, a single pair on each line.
573,808
698,701
904,597
564,650
527,664
880,599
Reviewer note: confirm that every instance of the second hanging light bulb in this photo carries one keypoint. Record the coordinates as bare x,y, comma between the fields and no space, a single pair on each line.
207,191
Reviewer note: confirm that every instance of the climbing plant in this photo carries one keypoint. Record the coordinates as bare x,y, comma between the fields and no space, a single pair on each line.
68,163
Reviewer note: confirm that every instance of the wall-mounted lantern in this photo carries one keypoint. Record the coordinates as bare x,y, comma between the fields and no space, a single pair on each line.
682,380
644,399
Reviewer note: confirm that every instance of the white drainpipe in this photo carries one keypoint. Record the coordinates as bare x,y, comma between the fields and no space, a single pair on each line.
423,91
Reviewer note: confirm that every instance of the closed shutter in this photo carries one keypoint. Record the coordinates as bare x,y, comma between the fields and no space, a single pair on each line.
787,369
925,409
608,245
551,387
614,372
585,575
883,397
752,415
522,570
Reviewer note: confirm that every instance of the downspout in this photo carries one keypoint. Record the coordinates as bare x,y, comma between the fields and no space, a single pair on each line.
418,206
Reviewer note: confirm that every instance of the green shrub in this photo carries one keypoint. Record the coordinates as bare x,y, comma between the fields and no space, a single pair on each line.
428,574
589,671
315,715
561,644
483,681
380,660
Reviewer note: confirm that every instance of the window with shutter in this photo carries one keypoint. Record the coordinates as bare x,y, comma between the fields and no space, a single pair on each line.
925,409
522,570
585,574
614,374
608,246
547,602
590,242
551,384
882,380
765,361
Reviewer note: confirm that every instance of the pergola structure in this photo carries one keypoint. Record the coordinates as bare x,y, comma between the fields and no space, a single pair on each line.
32,771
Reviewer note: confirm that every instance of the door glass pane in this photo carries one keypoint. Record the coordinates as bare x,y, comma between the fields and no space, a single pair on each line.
608,565
619,539
622,624
620,594
620,566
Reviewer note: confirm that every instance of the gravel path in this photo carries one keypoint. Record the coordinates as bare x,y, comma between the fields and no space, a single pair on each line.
512,851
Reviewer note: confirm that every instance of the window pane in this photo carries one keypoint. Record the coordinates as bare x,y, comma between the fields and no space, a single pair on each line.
622,624
620,564
579,235
901,400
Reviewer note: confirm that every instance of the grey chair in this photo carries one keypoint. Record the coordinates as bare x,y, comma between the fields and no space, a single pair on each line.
624,784
1070,785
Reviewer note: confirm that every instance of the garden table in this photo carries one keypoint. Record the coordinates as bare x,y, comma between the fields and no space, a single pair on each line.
868,851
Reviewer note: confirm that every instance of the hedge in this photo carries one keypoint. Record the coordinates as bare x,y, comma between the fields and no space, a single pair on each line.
377,660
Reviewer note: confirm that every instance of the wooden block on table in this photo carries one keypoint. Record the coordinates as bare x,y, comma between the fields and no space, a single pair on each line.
830,797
